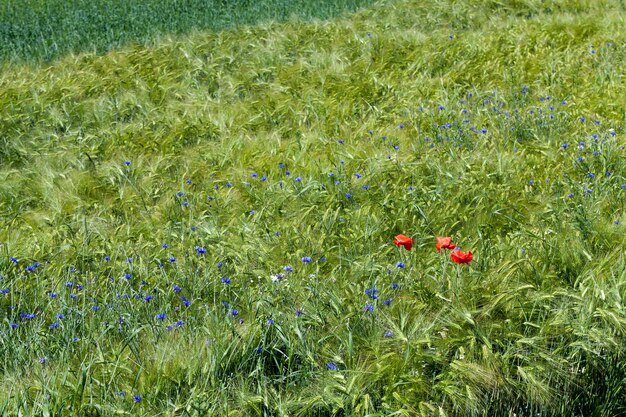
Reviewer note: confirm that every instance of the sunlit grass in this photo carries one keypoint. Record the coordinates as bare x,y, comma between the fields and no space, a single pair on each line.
172,196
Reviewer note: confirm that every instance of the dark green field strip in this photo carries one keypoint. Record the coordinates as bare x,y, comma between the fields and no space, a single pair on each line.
41,30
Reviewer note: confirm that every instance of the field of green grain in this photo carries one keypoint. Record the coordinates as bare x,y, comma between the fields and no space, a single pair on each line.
41,30
203,224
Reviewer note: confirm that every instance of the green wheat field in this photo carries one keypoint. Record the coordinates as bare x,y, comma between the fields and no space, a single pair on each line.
199,201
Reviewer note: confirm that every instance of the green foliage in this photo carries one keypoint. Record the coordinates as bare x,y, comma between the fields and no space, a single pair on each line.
535,325
41,30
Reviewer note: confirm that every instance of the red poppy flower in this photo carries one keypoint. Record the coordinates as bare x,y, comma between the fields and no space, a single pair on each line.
444,243
405,241
461,257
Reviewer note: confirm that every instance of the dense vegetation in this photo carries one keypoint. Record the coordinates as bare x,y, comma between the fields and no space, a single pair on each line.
44,29
205,226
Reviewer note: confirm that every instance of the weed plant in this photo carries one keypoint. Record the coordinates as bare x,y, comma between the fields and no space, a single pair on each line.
205,226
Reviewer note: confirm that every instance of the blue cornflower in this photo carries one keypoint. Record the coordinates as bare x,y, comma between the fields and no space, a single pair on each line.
200,250
106,258
298,312
365,187
188,181
388,334
60,316
323,259
186,302
160,316
341,141
225,280
358,175
169,328
148,298
287,173
54,325
126,163
270,322
331,366
43,360
177,288
234,312
179,323
281,165
128,276
5,291
401,126
396,147
52,295
172,259
27,316
185,204
348,195
14,260
263,178
73,296
387,302
570,195
616,221
298,179
368,307
307,259
288,268
337,182
564,145
531,182
137,398
228,184
180,194
210,197
13,325
95,308
400,265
